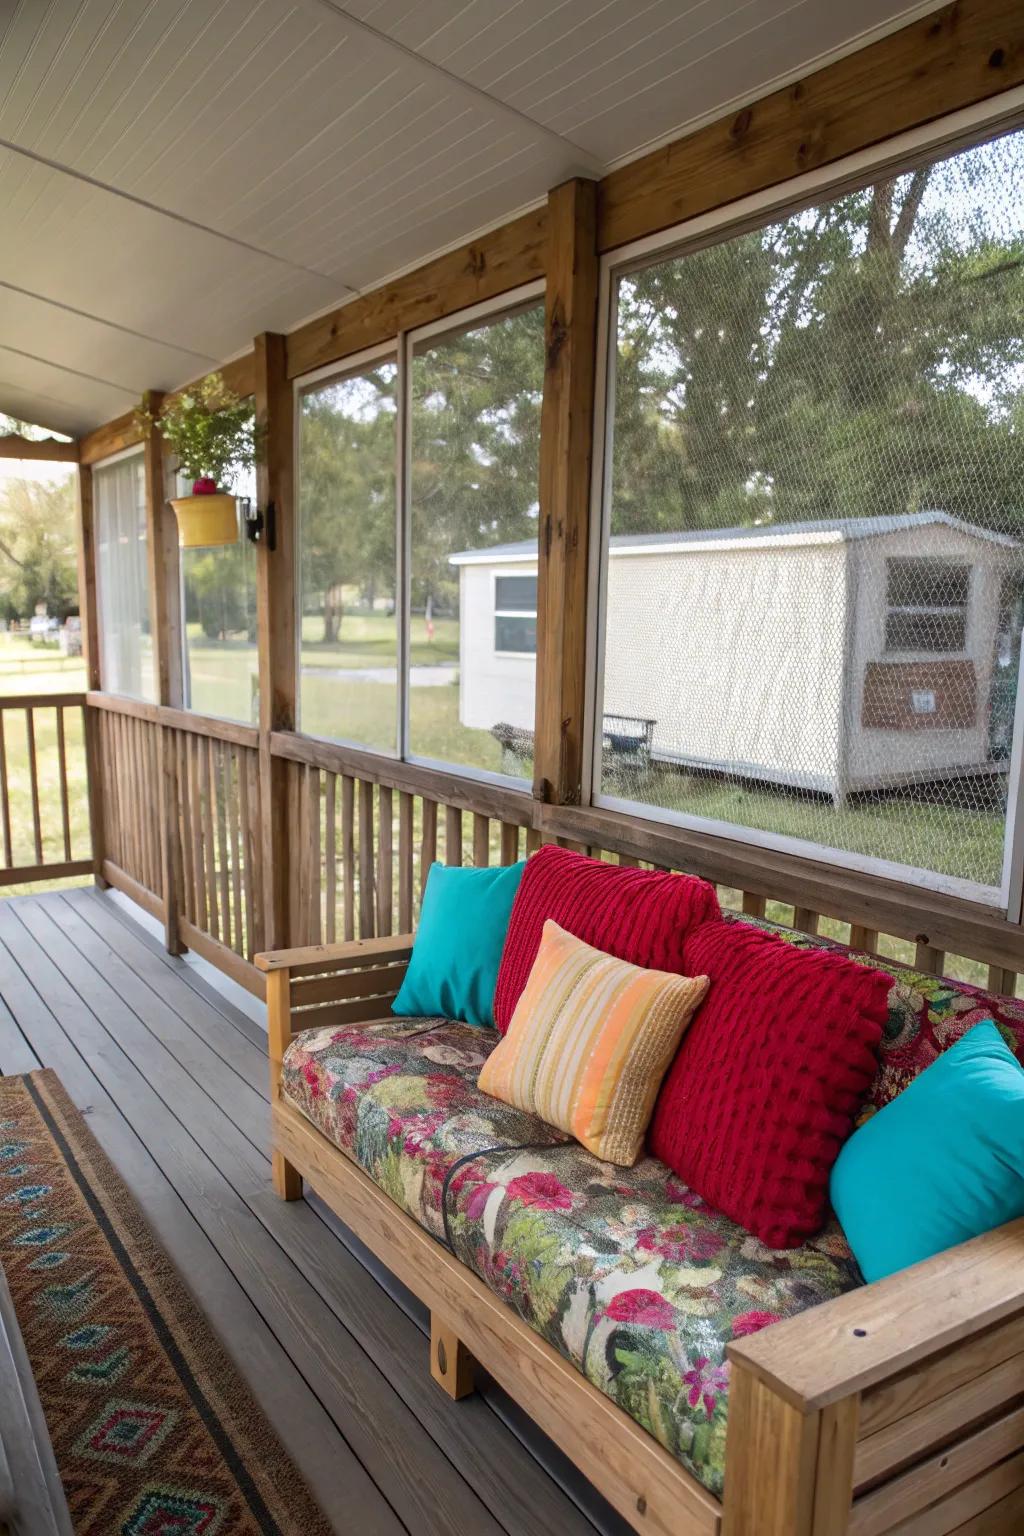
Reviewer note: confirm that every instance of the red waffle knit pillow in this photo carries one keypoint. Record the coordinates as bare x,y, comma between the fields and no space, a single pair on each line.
766,1084
638,915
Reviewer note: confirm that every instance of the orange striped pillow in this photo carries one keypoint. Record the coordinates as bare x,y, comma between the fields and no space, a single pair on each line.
589,1043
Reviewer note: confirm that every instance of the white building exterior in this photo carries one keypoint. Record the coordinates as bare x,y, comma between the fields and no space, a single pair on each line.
800,654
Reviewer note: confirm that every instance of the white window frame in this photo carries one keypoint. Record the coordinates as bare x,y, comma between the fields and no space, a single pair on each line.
945,610
1003,113
512,613
400,350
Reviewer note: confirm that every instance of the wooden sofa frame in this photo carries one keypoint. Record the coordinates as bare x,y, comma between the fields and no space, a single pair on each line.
897,1408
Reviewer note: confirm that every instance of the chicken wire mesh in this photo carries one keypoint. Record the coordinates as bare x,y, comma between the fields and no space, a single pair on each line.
814,588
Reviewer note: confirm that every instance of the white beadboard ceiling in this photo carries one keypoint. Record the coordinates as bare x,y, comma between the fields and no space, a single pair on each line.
177,175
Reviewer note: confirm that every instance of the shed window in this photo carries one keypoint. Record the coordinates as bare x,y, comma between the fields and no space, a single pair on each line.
515,615
926,605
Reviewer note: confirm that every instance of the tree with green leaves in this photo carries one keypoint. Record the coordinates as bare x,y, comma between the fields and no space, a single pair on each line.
37,547
861,357
347,447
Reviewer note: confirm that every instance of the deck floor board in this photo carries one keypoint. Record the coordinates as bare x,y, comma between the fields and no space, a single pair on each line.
173,1078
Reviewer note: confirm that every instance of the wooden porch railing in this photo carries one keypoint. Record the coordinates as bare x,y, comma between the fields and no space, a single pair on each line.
177,806
46,809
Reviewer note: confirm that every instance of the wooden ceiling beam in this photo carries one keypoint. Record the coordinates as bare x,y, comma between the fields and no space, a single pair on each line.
953,58
503,258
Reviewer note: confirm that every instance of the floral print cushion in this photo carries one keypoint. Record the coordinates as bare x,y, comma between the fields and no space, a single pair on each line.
624,1271
634,1280
927,1014
400,1097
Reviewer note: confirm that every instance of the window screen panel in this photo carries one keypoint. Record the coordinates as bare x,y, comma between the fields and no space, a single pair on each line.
219,597
122,579
814,577
348,653
475,432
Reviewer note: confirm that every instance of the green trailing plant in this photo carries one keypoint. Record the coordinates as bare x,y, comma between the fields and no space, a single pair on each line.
209,428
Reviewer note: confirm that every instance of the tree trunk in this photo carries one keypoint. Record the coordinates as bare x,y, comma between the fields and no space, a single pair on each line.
332,617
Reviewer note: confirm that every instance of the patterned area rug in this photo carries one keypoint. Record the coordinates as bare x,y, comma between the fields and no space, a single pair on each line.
154,1431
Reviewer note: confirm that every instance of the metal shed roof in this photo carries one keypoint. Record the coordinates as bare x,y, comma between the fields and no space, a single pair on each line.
821,531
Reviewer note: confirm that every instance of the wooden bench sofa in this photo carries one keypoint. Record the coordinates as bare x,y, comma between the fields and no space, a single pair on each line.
896,1407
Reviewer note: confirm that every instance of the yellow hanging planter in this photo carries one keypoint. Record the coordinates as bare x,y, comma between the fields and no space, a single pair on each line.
205,521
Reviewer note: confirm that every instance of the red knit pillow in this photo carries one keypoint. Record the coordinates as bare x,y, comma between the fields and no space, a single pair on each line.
766,1084
639,915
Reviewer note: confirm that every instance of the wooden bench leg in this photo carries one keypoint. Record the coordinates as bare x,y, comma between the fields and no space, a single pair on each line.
287,1178
451,1364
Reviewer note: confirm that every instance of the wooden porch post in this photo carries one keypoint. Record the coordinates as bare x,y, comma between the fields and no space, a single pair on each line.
89,618
166,619
276,617
567,416
164,572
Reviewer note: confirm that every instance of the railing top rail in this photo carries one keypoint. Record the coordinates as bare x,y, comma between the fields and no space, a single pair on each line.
41,700
463,792
176,719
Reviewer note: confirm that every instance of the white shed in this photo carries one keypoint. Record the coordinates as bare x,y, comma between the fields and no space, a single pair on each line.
833,656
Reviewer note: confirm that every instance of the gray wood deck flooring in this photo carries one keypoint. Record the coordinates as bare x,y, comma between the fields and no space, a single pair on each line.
172,1077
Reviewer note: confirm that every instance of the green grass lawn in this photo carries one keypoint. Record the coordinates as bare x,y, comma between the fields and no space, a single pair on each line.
29,669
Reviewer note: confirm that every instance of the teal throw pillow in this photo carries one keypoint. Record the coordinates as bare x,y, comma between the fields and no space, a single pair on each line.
941,1163
455,959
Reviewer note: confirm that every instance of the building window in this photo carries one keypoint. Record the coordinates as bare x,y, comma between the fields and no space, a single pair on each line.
926,605
474,428
122,578
515,615
348,610
812,469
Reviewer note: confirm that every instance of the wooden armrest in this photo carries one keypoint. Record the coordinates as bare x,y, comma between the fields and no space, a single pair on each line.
350,954
869,1335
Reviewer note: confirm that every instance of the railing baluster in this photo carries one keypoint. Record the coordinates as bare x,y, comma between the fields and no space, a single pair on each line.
254,853
195,785
863,938
62,774
210,847
5,807
452,835
348,854
406,808
366,901
509,842
1002,981
252,895
183,813
312,834
232,781
428,844
929,959
385,861
330,857
33,769
481,841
